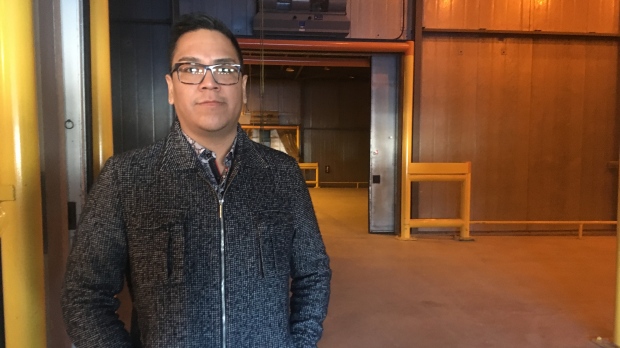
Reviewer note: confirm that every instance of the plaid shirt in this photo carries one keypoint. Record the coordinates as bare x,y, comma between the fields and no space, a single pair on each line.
207,158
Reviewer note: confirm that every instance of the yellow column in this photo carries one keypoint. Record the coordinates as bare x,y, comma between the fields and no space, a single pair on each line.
20,180
617,313
466,205
103,145
407,136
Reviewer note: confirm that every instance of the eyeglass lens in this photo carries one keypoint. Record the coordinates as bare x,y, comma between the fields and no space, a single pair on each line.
192,73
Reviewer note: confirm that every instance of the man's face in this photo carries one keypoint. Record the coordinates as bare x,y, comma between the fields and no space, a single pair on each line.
206,109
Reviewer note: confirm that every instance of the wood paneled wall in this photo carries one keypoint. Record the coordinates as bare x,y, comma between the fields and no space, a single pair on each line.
583,16
139,32
336,123
536,117
334,116
283,96
379,19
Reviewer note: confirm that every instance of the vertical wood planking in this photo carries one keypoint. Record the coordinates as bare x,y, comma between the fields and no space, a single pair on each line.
556,121
499,177
580,16
335,121
453,122
598,182
377,19
280,95
544,127
139,61
603,16
336,118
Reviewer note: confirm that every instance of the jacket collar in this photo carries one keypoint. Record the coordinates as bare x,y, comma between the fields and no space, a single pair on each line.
178,154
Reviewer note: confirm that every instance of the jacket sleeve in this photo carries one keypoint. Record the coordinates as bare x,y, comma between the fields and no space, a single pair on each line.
96,269
311,274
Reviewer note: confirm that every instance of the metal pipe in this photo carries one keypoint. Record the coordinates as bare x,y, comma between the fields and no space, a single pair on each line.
437,177
103,141
328,46
542,222
20,179
305,61
436,222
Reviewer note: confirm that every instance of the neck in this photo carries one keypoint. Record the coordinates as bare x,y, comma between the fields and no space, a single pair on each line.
218,142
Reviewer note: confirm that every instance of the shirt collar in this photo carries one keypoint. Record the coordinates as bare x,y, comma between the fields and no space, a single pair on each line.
199,149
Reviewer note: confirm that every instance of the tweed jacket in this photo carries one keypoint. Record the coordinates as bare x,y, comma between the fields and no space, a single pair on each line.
247,270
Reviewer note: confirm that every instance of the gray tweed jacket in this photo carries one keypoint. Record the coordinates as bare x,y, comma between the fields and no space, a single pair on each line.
152,218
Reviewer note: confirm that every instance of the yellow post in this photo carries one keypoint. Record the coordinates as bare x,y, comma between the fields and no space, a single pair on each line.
21,230
103,145
617,317
466,205
407,136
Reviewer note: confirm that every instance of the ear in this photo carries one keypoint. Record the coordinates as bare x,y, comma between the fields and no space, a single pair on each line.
170,89
244,81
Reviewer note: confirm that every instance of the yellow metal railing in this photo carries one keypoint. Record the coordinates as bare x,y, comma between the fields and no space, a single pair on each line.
311,166
438,172
21,230
578,223
103,144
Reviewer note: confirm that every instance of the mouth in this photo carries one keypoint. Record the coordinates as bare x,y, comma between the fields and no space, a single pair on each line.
210,103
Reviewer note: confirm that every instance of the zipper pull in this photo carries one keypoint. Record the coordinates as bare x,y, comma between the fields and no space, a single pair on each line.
221,208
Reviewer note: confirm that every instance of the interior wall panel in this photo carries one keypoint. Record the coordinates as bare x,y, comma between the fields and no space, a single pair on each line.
378,19
283,96
345,151
583,16
558,74
536,118
370,19
600,95
141,113
336,128
500,160
476,14
450,138
143,10
575,16
236,14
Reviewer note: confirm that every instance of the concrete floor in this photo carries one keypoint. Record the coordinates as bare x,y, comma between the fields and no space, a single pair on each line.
499,291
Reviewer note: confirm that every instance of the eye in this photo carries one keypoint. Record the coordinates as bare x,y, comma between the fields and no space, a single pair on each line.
226,69
191,69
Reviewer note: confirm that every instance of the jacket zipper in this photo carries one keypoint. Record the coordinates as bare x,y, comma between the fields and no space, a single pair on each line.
220,198
223,271
229,179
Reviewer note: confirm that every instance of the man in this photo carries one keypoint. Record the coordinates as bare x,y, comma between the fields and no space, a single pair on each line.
215,234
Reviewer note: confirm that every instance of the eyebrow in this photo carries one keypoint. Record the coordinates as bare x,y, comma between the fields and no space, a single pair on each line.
216,61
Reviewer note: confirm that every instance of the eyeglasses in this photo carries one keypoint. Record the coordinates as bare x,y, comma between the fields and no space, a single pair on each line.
194,73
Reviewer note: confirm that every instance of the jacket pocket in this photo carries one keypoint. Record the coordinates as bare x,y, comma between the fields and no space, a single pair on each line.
274,232
156,242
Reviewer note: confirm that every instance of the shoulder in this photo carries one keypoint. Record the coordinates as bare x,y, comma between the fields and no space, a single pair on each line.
136,160
274,158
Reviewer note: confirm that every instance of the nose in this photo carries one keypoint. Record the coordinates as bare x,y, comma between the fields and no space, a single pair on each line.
208,82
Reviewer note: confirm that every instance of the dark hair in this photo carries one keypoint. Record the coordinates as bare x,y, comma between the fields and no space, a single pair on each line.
196,21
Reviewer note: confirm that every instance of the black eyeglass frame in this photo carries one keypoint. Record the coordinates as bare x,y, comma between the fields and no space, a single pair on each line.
210,68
